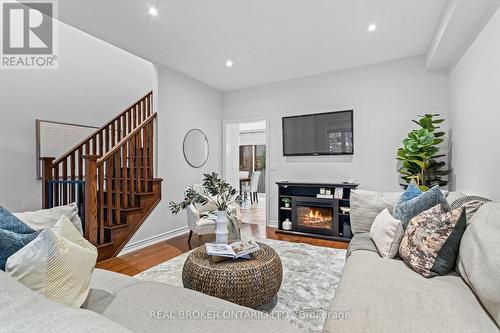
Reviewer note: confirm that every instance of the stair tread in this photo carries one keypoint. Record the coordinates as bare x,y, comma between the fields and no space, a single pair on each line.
104,244
129,209
136,193
116,226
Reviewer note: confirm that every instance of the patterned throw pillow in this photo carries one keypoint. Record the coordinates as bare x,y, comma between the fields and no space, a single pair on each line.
14,234
431,241
405,211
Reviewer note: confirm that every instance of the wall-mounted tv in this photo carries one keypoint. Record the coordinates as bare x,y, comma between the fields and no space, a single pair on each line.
329,133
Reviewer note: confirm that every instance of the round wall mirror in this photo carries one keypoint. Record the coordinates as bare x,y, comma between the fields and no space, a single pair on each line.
195,148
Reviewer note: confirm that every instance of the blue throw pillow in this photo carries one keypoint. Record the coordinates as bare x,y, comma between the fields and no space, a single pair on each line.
14,234
405,211
411,192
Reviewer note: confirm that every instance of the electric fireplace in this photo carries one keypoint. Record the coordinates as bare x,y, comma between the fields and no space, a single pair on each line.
313,216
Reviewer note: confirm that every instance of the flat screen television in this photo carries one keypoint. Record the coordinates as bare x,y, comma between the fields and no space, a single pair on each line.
329,133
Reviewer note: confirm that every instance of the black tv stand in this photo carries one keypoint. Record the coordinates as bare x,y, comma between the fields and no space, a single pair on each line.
312,216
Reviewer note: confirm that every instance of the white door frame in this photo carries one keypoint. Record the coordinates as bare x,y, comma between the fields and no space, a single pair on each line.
268,154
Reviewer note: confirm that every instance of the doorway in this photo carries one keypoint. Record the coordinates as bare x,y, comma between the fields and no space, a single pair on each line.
245,166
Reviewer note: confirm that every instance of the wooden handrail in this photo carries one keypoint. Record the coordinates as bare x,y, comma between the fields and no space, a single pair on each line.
122,142
97,131
116,167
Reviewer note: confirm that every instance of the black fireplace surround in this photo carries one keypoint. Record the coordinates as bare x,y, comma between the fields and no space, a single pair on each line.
313,215
326,217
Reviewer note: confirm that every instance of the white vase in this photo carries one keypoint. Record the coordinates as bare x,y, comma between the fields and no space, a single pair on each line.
221,233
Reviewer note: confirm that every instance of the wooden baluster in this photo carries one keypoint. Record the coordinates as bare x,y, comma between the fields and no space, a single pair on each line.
136,115
138,161
94,145
101,203
72,176
46,177
152,149
56,176
113,142
91,222
118,176
80,163
145,158
149,105
125,170
129,121
131,163
101,143
109,190
106,140
65,178
143,111
119,130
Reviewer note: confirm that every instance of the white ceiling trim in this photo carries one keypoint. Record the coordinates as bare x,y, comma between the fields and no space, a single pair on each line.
460,23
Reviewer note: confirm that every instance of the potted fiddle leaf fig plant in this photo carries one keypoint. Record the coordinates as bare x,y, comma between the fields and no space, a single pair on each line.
420,157
220,193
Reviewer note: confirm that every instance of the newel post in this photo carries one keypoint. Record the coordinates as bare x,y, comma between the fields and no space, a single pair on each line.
46,177
91,226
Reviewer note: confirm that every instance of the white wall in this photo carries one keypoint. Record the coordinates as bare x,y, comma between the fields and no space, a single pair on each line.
94,82
385,98
475,114
183,104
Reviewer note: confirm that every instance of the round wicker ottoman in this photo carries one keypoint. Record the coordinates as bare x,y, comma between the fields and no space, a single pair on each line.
248,282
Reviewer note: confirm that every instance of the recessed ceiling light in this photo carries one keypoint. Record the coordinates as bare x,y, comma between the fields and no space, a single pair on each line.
229,63
153,11
372,27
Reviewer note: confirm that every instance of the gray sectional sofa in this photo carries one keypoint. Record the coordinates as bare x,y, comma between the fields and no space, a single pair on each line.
384,295
119,303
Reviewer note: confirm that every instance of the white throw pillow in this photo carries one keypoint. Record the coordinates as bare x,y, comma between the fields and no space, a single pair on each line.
46,218
57,264
386,232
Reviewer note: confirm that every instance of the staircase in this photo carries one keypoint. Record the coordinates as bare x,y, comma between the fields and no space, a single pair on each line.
110,175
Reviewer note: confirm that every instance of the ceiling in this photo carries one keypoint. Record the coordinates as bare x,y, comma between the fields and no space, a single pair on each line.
268,40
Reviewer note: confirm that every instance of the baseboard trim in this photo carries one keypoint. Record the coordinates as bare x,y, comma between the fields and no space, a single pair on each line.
272,224
131,247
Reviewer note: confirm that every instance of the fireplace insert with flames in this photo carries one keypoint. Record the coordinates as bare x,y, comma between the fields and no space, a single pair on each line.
314,216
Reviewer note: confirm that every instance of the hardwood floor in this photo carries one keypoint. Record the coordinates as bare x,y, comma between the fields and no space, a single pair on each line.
140,260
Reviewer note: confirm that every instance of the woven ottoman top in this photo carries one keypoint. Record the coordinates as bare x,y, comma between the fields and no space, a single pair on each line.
248,282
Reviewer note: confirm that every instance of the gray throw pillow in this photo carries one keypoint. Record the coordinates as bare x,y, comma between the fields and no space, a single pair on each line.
405,211
14,234
470,203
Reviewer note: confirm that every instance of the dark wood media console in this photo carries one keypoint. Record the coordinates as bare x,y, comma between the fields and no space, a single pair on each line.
312,216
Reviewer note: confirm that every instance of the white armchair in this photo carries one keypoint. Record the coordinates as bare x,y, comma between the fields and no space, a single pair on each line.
204,226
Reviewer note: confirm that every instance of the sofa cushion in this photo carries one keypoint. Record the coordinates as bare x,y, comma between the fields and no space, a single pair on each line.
14,235
479,257
431,241
57,264
386,232
23,310
46,218
405,211
366,205
385,296
157,307
361,242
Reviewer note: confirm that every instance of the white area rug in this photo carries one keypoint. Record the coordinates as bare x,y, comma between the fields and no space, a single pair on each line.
310,277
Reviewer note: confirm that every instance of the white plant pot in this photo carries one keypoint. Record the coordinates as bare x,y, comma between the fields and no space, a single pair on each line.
221,233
